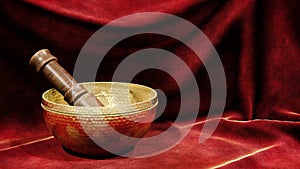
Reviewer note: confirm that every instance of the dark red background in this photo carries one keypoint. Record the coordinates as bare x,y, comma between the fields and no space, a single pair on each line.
257,40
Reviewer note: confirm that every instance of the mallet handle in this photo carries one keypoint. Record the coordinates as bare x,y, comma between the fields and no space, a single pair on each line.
74,93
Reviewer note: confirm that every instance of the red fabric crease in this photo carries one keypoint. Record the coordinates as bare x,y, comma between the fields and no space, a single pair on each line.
258,44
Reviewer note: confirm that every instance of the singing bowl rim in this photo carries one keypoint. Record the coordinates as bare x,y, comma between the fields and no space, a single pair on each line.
66,109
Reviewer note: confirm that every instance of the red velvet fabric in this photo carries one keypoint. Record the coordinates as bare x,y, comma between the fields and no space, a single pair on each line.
258,43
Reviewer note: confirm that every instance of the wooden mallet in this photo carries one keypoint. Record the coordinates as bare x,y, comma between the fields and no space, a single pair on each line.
73,92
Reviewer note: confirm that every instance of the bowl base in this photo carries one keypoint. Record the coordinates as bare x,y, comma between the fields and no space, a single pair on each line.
99,156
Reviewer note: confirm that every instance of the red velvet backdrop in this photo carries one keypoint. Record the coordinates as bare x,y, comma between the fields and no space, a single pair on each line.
258,43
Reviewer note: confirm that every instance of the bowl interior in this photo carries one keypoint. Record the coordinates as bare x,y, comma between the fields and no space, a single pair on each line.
117,97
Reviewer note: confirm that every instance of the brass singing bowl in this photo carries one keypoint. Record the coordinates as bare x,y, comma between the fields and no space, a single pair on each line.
129,110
